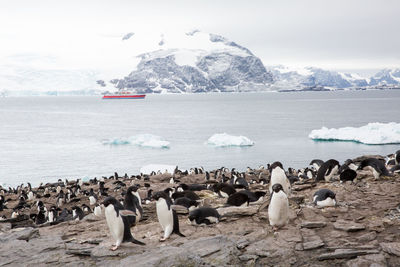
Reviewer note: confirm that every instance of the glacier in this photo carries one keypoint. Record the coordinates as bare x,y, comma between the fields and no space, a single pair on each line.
226,140
141,140
371,134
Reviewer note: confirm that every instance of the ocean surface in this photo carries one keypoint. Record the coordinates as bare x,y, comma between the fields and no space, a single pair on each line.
46,138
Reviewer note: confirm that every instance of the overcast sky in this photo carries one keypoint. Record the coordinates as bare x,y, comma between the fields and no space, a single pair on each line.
340,34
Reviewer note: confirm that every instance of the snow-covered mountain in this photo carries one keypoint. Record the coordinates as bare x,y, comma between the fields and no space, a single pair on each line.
201,62
308,77
386,77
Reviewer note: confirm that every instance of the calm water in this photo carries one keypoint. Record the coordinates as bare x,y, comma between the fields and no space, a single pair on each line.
46,138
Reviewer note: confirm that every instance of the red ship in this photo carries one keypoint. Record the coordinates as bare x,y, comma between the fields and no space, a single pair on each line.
123,95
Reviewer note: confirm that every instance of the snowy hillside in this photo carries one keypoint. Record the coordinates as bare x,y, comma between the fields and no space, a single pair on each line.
300,78
200,62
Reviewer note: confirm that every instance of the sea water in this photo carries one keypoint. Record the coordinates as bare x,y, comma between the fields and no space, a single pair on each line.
47,138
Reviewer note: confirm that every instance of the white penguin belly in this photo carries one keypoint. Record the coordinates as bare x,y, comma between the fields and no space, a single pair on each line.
165,217
115,224
278,210
328,202
334,171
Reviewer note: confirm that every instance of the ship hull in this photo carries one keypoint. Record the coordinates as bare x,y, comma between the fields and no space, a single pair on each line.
124,96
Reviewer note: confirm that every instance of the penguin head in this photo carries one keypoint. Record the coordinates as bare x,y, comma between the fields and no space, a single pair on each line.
110,201
160,194
277,187
275,165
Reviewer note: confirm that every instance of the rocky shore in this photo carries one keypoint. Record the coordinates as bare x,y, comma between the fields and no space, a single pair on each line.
362,230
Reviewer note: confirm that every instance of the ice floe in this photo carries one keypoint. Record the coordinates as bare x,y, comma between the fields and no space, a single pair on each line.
157,167
372,134
225,140
142,140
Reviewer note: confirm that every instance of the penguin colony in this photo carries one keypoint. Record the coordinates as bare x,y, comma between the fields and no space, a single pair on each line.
122,200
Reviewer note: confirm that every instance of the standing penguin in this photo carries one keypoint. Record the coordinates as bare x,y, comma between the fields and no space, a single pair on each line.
118,223
278,210
327,170
167,217
131,202
92,197
278,176
316,163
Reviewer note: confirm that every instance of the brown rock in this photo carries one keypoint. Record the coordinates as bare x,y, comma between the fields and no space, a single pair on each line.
345,254
348,226
373,260
391,248
310,225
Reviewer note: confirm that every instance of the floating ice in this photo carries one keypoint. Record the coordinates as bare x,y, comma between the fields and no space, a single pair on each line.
142,140
157,167
224,140
371,134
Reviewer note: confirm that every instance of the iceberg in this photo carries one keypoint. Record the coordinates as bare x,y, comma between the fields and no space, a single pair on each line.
371,134
141,140
225,140
157,167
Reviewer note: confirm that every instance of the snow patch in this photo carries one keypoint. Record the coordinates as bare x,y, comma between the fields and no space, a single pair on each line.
157,167
224,140
141,140
371,134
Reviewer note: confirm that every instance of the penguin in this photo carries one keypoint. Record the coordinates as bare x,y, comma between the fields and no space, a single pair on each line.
132,203
348,164
149,197
77,213
397,157
348,175
394,169
223,190
204,215
116,217
41,216
327,170
316,163
324,198
64,216
86,209
376,166
52,215
60,198
278,210
238,199
186,202
167,217
278,176
92,197
97,210
189,194
254,196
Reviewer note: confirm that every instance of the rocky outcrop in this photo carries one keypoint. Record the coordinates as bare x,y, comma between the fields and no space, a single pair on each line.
360,231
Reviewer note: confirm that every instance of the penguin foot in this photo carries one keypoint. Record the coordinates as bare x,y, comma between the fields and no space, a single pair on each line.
162,239
114,248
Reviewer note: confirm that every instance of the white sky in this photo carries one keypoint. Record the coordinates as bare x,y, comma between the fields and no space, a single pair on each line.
339,35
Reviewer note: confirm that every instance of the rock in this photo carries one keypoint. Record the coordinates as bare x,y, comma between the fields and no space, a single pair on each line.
20,234
247,257
310,225
367,237
317,243
241,244
373,260
92,218
345,254
237,211
348,226
79,251
297,199
391,248
217,250
102,252
4,227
